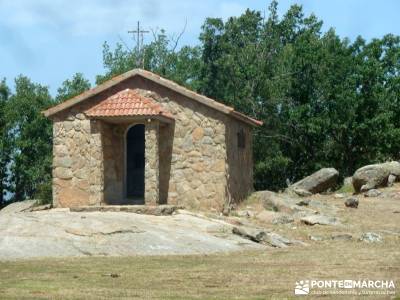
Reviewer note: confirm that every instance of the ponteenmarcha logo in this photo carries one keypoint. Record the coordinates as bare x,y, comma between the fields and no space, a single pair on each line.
302,287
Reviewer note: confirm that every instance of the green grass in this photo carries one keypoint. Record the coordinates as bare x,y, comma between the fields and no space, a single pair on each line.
346,189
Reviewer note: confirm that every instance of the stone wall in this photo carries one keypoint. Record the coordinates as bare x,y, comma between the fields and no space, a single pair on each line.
192,152
77,161
96,164
151,168
194,162
166,140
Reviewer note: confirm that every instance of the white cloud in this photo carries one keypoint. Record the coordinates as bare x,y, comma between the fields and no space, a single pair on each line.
93,17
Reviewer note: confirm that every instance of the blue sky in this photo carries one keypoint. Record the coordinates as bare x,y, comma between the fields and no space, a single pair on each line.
50,40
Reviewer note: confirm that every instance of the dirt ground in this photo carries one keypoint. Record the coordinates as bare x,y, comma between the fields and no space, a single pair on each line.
261,274
374,214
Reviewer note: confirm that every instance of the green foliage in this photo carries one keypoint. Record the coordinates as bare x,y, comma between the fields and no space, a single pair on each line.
71,88
31,138
160,56
43,193
346,188
324,101
26,137
5,142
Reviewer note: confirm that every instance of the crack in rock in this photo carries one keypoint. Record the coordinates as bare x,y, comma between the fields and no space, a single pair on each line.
89,234
87,253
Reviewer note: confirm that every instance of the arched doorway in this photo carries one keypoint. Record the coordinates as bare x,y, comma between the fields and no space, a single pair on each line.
134,166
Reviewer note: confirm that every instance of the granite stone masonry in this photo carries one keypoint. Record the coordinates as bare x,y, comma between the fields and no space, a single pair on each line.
197,152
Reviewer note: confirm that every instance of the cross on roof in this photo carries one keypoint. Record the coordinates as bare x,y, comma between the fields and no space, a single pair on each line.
139,40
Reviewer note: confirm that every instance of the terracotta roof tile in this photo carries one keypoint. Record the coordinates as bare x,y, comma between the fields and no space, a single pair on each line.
158,80
127,103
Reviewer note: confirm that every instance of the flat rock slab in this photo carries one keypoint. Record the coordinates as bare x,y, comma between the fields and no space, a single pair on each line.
319,219
283,203
18,207
371,237
61,233
156,210
263,236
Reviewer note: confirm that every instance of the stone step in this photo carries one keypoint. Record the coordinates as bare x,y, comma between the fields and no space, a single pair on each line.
156,210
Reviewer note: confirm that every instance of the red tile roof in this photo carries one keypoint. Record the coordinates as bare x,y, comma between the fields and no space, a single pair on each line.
160,81
127,103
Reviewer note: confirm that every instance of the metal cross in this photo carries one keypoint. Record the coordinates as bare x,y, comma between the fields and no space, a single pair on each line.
139,39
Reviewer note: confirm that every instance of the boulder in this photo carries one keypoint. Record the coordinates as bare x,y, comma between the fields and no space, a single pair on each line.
317,182
252,234
393,167
304,202
372,193
267,216
340,195
371,237
391,180
317,238
348,181
286,204
278,202
283,219
375,176
276,240
17,207
351,202
263,237
301,192
342,237
370,177
319,219
245,214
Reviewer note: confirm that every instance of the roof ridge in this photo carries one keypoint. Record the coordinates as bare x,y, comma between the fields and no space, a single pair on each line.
158,80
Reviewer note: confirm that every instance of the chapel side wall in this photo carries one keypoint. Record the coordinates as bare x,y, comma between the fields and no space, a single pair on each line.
240,161
197,175
77,160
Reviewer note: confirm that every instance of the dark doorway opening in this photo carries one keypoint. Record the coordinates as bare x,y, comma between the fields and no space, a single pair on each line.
135,164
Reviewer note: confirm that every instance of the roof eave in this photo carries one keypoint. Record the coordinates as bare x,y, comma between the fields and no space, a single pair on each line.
159,80
89,93
246,119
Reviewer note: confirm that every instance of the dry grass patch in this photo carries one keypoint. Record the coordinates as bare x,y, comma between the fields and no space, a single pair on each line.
246,275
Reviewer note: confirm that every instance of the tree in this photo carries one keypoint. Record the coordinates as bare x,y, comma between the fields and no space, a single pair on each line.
31,138
5,144
71,88
160,56
324,100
